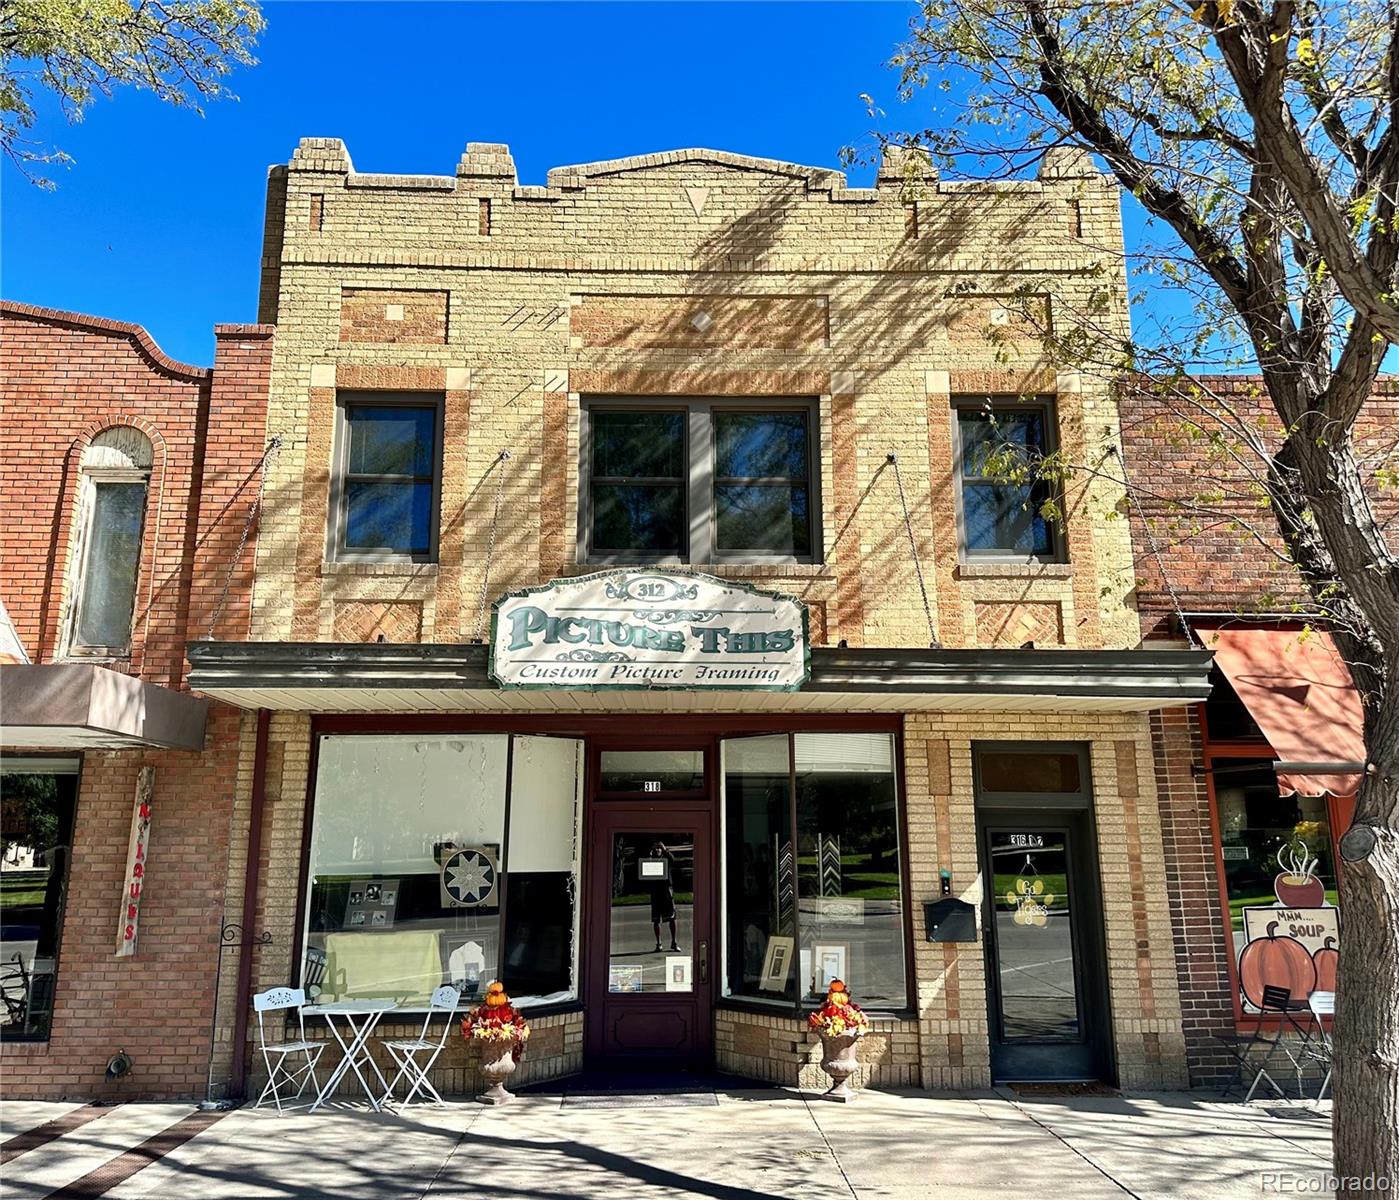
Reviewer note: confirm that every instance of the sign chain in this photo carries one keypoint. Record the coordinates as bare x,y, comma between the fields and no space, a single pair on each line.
500,462
933,641
268,456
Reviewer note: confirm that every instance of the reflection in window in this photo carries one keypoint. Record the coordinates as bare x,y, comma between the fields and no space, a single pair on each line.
389,481
1256,825
1039,771
1037,985
1003,498
36,834
834,890
652,770
412,867
651,926
848,874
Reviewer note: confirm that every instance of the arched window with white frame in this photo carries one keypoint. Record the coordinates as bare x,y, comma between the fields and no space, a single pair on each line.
115,474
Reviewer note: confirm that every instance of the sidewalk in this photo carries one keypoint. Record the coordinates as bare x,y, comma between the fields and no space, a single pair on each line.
731,1145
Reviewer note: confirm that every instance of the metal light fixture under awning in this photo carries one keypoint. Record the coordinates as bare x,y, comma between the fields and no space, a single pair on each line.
81,706
1298,689
387,678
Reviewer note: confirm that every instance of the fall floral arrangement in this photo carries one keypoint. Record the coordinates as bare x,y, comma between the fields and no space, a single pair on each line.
496,1020
839,1015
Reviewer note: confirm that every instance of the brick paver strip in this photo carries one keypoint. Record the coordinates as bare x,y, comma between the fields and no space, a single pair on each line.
124,1166
40,1135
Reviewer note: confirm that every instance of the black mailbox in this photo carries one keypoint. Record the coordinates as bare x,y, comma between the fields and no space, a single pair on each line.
950,920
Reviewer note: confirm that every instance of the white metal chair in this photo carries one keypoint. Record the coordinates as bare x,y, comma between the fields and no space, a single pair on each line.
1318,1047
279,1074
406,1051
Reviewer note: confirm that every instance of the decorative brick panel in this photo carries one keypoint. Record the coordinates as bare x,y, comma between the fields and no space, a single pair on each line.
378,621
393,316
698,322
975,320
1011,624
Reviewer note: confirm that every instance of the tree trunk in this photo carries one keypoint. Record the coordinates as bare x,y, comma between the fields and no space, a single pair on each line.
1365,1119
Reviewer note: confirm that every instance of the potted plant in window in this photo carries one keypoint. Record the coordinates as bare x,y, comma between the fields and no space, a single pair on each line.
841,1023
502,1033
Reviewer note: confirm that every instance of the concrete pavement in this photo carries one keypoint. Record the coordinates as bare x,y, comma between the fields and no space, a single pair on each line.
725,1145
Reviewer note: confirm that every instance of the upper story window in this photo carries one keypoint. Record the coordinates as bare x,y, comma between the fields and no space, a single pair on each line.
115,474
1002,495
388,470
699,481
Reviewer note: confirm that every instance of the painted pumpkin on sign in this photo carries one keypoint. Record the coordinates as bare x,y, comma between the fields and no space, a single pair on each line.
1327,962
1274,961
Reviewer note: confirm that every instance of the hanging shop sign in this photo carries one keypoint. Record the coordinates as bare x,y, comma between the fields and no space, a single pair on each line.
129,920
650,630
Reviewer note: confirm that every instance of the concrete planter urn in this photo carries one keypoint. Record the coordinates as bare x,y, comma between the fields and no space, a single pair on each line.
497,1065
841,1023
840,1060
501,1033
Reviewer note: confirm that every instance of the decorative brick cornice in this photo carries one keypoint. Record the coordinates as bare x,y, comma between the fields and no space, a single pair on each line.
134,333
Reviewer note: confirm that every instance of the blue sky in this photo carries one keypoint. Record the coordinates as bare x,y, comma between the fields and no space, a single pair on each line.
159,220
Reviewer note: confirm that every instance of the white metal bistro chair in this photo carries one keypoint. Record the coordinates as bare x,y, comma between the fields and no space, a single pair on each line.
275,1054
405,1053
1319,1047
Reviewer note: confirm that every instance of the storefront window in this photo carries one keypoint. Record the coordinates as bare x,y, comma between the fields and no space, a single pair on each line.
1276,849
828,903
37,799
417,868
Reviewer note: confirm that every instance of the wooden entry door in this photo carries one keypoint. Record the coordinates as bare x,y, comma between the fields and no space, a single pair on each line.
651,883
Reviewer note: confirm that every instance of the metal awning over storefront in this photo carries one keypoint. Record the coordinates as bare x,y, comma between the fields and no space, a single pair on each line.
382,677
77,706
1298,689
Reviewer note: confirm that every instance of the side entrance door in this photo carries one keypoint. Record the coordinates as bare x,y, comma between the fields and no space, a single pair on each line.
1047,984
650,946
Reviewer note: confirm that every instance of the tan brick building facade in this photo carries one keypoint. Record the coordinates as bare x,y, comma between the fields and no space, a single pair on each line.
705,274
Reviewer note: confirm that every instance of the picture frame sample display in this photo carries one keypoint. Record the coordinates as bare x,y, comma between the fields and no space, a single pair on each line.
777,964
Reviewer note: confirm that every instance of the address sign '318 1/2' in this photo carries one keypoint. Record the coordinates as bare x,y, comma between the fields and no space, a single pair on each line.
649,629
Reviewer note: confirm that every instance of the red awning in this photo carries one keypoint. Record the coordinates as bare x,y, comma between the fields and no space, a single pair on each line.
1299,691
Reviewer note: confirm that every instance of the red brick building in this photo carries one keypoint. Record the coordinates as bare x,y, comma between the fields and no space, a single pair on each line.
1211,572
129,483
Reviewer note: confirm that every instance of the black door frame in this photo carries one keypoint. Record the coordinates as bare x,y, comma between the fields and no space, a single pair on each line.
1070,813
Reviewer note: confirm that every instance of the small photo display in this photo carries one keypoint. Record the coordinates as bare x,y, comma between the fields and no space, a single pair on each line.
356,897
358,917
777,964
677,973
379,917
390,897
373,894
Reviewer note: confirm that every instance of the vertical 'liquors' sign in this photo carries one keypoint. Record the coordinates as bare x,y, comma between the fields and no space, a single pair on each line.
128,923
649,629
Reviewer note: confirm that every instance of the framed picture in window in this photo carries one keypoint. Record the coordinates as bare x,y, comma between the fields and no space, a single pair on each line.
777,964
828,962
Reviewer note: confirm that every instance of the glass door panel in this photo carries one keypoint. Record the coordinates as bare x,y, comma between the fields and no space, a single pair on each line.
1034,936
651,934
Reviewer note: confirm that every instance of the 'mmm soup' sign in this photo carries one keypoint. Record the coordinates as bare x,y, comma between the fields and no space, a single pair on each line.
649,629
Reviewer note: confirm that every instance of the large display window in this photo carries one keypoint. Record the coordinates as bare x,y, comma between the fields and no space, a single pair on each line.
812,869
444,859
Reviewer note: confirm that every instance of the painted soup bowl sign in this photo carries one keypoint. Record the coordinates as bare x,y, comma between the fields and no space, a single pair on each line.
650,630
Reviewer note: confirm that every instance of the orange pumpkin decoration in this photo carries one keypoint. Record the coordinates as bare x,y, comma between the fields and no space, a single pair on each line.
495,995
1327,962
1274,961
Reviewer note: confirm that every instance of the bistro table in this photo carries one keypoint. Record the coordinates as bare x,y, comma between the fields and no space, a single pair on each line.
359,1017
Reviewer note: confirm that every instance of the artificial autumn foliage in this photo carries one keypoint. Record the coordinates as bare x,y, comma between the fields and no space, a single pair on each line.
839,1015
496,1020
